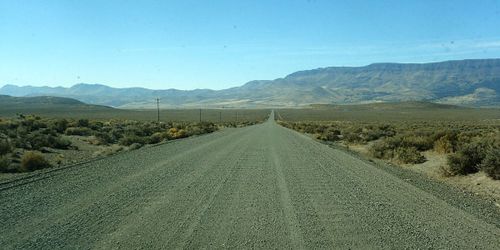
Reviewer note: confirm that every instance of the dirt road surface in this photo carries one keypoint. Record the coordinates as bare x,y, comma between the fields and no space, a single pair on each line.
262,186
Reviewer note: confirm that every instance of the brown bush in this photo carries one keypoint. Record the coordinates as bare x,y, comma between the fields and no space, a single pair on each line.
32,160
443,146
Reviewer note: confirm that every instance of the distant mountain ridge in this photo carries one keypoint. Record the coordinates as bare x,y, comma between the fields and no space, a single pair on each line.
465,82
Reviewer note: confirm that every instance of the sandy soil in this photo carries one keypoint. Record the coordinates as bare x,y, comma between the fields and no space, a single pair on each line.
478,183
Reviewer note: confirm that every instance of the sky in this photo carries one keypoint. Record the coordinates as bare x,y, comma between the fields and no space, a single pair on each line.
220,44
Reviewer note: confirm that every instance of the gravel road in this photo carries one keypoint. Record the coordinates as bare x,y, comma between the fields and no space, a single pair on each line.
261,186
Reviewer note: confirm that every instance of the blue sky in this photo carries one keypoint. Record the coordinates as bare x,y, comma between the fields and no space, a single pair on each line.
218,44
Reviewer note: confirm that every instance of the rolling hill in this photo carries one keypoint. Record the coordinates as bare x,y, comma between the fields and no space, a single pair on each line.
465,82
10,106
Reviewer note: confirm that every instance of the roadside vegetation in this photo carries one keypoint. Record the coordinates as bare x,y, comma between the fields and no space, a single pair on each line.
469,146
29,142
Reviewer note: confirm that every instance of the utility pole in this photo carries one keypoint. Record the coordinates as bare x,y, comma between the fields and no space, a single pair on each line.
158,108
200,115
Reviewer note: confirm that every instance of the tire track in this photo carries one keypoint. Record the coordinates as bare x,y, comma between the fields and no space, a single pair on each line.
290,217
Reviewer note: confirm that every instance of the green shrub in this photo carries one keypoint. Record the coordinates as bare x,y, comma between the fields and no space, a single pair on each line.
156,138
60,125
5,165
104,138
384,149
135,146
132,139
81,131
420,142
491,163
371,133
351,137
467,159
83,123
310,128
32,123
59,142
330,134
5,147
32,160
400,148
116,134
409,155
207,127
37,140
96,125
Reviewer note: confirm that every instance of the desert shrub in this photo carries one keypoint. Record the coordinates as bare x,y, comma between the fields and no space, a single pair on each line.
207,127
59,125
83,123
5,147
78,131
181,134
309,128
371,135
104,138
491,163
116,134
128,140
59,142
135,130
331,134
386,130
32,123
409,155
384,149
467,159
47,131
444,146
446,141
175,133
419,142
135,146
156,138
32,160
96,125
351,137
5,165
37,140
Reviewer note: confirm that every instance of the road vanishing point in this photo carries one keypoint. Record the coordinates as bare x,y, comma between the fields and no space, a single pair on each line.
262,186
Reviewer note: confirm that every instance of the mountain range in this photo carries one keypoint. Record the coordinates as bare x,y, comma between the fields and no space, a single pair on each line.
465,82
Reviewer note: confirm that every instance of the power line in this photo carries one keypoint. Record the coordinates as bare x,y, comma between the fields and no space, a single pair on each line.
158,108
